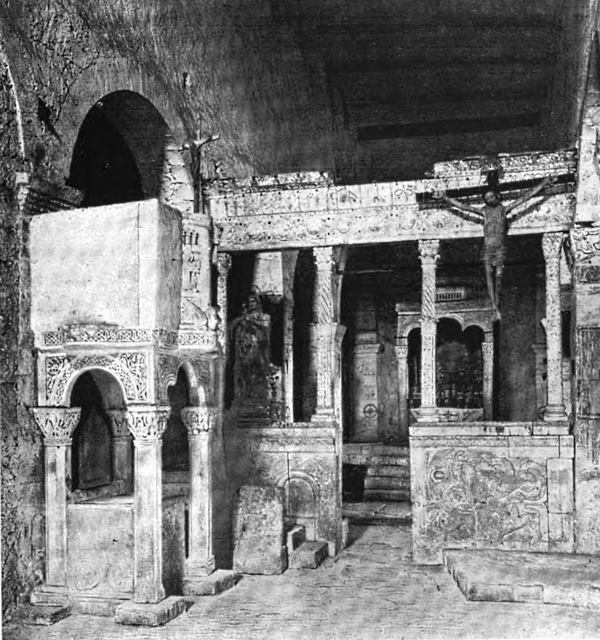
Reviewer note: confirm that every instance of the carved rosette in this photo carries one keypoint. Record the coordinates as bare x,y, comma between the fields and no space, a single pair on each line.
56,423
551,246
199,420
147,423
119,423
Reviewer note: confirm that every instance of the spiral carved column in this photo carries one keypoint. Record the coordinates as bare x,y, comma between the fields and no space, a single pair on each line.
428,252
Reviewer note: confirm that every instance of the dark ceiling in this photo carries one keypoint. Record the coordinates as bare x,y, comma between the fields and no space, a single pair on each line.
413,82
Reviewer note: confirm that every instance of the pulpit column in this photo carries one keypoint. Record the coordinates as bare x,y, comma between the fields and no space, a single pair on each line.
57,424
121,450
428,252
487,349
223,267
326,331
199,422
555,409
401,350
147,425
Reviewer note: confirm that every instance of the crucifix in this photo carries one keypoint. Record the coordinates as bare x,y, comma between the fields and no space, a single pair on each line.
195,149
496,219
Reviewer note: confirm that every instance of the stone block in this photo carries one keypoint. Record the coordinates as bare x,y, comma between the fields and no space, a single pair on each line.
533,447
561,532
528,592
259,531
560,485
150,614
566,446
295,537
309,555
44,615
211,585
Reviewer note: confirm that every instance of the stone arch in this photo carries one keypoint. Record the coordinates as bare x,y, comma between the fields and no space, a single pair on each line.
301,500
129,369
125,151
199,379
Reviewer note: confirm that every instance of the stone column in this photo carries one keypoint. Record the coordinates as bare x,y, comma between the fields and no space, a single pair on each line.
57,424
555,409
223,267
288,357
121,450
199,422
401,350
428,252
147,425
326,331
487,350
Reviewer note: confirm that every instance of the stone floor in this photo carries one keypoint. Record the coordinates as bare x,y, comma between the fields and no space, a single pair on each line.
370,591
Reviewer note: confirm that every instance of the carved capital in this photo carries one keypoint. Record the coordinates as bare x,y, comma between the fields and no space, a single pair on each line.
324,258
119,423
223,264
199,420
428,251
551,245
147,423
56,423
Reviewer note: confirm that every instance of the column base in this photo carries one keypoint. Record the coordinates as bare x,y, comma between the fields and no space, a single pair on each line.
555,413
427,414
50,596
209,585
150,615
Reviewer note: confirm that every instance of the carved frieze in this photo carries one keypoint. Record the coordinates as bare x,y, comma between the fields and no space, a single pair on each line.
340,215
147,423
475,497
56,423
130,368
198,420
583,245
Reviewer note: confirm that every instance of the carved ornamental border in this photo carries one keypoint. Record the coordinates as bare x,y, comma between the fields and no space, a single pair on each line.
274,213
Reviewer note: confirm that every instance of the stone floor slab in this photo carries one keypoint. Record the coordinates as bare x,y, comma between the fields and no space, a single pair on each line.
518,576
41,614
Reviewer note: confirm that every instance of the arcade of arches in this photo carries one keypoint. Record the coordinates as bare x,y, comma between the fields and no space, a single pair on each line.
212,385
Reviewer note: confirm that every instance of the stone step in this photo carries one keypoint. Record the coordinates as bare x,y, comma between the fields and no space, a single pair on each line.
210,585
295,537
388,513
396,461
386,482
44,614
389,470
308,555
369,449
387,495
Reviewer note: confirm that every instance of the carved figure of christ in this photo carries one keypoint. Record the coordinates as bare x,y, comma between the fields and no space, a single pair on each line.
495,218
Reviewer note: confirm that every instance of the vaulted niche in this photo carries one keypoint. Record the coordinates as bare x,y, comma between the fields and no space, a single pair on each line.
119,152
101,450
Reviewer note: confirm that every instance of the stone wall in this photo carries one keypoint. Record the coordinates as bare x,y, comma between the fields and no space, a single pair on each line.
491,485
304,459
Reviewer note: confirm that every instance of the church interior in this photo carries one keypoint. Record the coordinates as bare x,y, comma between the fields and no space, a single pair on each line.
275,270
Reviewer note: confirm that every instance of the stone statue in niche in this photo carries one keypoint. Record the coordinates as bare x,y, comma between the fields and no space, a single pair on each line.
495,218
251,335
